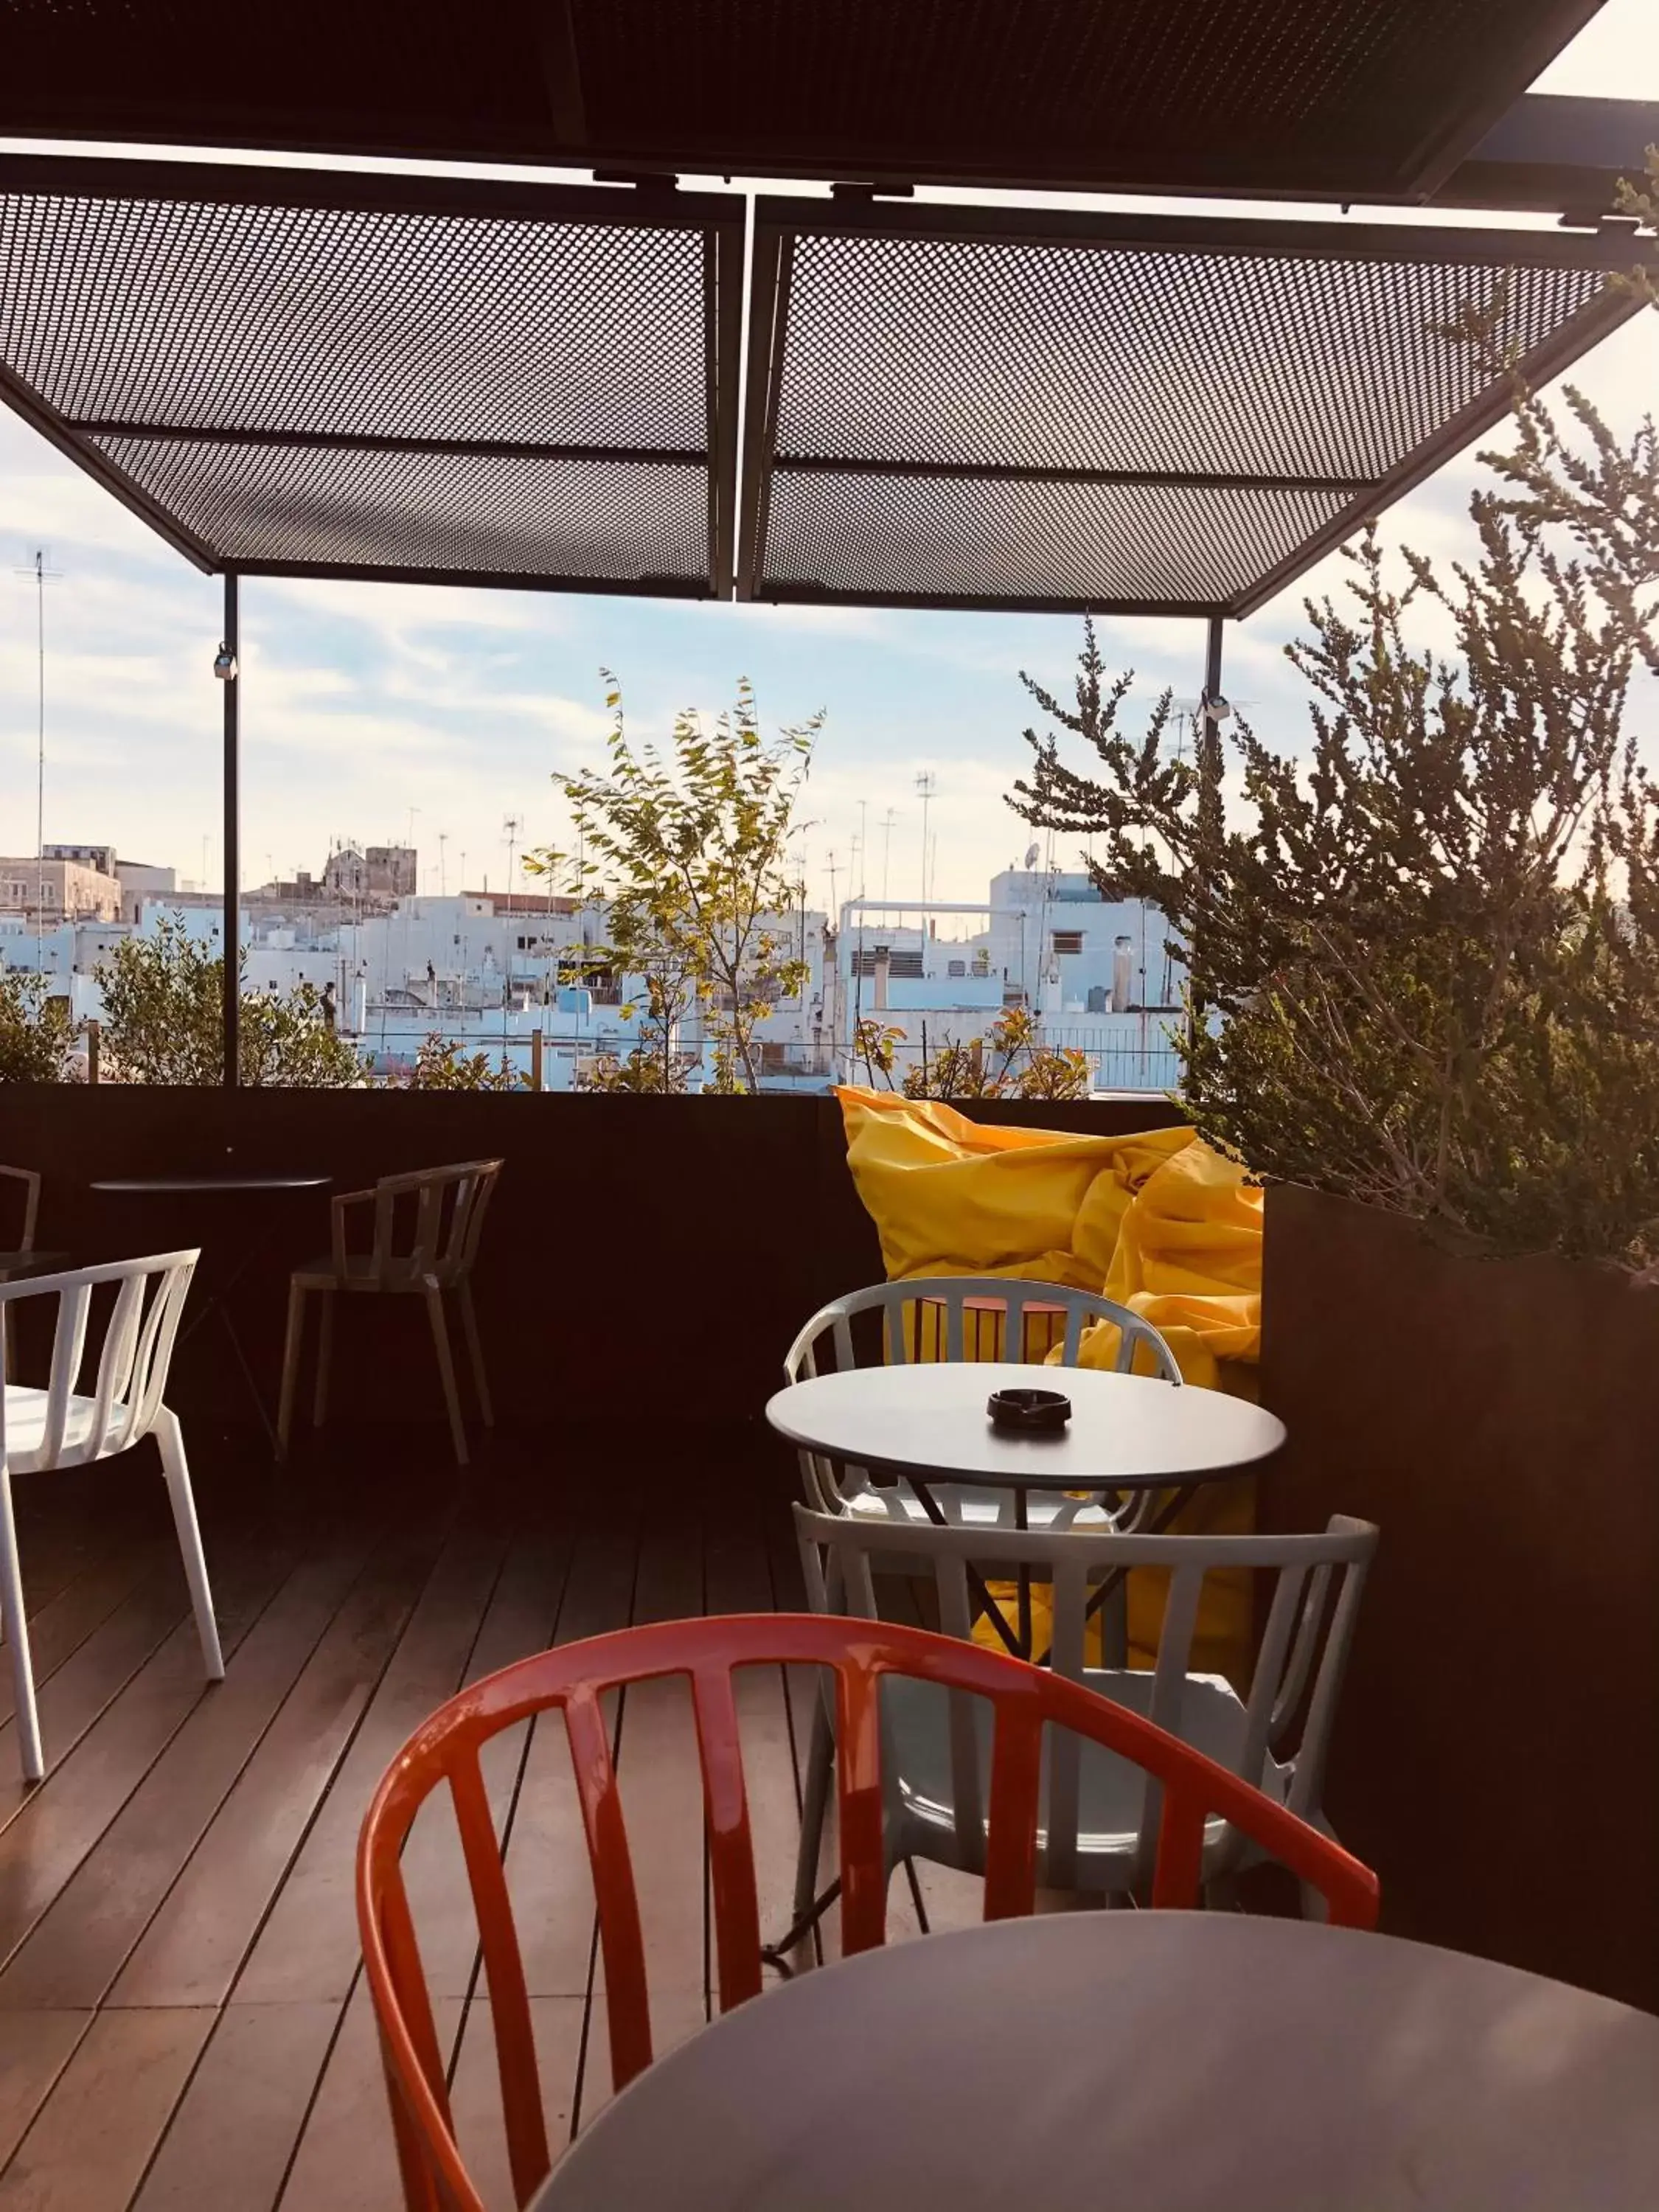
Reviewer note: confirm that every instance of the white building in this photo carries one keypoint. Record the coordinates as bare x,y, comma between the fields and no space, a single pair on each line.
494,973
1096,974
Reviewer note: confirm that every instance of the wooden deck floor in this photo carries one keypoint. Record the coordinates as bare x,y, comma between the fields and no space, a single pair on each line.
183,2021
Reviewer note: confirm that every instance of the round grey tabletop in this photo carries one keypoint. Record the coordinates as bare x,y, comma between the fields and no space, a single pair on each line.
246,1179
1127,1432
1172,2062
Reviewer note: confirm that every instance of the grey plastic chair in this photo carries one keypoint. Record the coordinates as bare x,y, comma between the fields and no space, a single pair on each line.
1009,1304
1098,1817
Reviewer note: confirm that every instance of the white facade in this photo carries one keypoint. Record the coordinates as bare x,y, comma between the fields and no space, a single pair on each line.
491,973
1095,974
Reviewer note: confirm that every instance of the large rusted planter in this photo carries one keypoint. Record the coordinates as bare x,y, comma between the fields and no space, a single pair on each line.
1497,1754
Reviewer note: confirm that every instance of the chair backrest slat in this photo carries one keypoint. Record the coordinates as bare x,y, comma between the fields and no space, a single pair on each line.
1175,1651
69,1344
1307,1784
117,1360
731,1847
528,2154
859,1806
1011,1844
621,1941
1285,1610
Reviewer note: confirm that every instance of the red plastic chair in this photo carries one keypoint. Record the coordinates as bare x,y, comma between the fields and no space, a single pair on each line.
575,1677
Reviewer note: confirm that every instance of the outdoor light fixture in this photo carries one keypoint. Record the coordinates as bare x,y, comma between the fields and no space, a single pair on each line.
1216,708
224,663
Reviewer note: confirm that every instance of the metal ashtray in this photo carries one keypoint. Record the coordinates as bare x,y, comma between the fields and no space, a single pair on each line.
1030,1413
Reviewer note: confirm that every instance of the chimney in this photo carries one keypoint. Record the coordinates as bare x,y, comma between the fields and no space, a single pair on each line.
883,967
1122,974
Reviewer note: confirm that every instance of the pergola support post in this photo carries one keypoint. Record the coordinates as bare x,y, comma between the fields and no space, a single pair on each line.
232,927
1206,759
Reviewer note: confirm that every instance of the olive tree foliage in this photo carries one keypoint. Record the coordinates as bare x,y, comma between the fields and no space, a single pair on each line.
1423,947
163,1020
37,1035
686,844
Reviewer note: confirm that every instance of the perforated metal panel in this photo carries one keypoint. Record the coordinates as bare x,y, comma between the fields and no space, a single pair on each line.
385,376
1337,98
949,406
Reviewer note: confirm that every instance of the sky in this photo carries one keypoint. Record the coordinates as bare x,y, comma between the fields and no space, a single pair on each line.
387,713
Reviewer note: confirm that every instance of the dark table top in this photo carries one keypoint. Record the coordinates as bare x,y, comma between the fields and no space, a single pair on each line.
1169,2060
239,1179
1127,1432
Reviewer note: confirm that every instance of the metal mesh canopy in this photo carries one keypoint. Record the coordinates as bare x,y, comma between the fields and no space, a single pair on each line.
955,407
1337,98
298,372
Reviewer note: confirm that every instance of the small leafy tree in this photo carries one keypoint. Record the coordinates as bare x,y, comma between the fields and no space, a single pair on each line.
442,1064
645,1068
1425,954
163,1020
37,1037
1008,1062
687,847
876,1044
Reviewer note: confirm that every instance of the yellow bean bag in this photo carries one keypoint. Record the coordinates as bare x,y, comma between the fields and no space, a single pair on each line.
1156,1219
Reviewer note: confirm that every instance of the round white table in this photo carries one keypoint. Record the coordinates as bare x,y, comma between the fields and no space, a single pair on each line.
1169,2062
928,1418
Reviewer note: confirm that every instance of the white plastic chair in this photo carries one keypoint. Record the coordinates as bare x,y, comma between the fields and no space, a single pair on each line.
1097,1819
952,1305
43,1430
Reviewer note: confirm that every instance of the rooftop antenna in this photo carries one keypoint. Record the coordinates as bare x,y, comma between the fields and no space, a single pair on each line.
43,576
927,786
886,850
443,873
511,825
864,841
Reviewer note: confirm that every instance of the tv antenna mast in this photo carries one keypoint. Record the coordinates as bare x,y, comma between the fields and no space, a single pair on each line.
886,850
43,576
926,789
511,825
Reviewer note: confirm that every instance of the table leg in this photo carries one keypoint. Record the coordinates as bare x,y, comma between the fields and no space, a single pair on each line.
1023,1524
253,1392
981,1596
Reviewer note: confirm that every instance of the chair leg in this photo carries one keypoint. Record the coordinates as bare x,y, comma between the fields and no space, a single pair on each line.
296,1321
434,1314
16,1623
324,1359
475,1349
170,1439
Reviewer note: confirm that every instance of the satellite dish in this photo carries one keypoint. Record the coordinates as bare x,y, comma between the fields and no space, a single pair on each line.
1030,860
